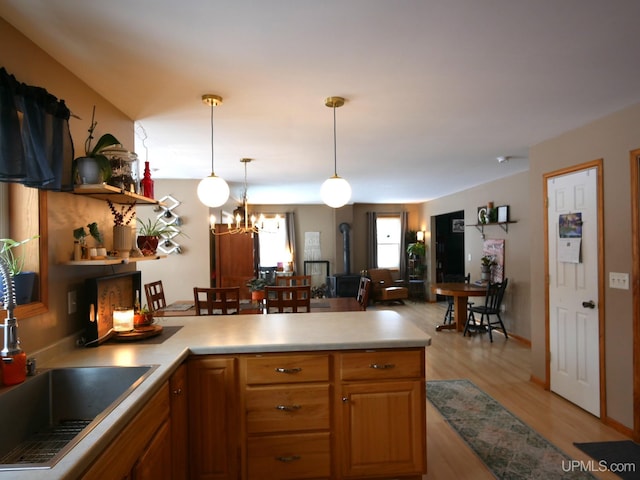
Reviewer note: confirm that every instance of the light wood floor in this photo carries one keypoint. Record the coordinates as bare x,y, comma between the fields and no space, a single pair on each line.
502,370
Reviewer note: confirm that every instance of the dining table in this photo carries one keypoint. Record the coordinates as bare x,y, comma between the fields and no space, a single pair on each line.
460,291
185,308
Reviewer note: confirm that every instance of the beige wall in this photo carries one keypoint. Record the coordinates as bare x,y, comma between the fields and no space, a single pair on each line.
66,212
610,138
512,191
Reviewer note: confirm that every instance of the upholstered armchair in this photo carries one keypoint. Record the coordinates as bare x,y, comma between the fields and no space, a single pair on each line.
385,288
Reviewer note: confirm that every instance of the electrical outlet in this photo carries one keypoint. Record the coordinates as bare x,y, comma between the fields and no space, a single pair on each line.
72,302
619,280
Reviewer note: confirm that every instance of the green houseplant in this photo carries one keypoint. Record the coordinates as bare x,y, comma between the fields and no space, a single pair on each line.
256,285
93,167
23,281
150,232
486,262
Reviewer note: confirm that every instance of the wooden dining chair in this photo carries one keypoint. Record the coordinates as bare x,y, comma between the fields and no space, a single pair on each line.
491,306
217,301
155,295
293,299
448,315
292,280
364,287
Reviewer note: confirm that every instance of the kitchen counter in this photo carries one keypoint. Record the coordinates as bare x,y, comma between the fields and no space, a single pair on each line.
231,334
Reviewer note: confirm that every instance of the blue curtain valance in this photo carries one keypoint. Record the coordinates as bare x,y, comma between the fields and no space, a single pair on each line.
36,148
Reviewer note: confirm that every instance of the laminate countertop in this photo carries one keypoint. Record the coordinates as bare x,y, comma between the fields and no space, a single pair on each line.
228,334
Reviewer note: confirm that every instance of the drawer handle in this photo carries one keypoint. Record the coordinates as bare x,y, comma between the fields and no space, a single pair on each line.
288,459
288,408
383,366
288,370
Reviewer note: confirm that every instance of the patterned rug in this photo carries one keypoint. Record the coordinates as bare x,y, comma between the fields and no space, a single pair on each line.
506,445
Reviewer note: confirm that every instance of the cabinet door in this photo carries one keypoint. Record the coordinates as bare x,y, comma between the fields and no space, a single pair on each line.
382,429
179,423
213,419
155,461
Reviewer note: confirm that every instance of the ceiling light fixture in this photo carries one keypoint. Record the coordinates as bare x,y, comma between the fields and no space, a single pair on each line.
239,221
503,159
335,191
213,191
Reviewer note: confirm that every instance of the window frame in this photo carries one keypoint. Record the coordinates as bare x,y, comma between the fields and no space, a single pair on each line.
399,243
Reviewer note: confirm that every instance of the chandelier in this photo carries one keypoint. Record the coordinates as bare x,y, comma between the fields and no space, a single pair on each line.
240,221
335,190
213,191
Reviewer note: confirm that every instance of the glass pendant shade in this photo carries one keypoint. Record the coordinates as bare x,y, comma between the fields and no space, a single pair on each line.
335,191
213,191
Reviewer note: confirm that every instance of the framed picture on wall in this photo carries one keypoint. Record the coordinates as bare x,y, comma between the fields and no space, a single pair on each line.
503,213
457,225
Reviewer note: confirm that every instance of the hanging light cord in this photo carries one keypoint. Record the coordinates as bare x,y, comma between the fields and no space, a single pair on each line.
212,170
335,154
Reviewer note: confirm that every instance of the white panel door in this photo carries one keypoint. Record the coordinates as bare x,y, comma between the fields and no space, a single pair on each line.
573,292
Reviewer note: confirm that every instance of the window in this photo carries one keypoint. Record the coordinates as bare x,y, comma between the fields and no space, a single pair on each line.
388,241
273,243
22,215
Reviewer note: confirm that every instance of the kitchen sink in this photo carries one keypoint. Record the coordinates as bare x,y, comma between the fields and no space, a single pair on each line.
47,415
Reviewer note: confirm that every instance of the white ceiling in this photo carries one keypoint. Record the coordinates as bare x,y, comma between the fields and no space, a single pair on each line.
435,89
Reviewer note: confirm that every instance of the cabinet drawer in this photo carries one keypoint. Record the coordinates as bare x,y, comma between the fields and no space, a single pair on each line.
289,456
381,364
290,408
286,369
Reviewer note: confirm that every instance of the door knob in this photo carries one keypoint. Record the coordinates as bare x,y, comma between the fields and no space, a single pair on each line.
589,304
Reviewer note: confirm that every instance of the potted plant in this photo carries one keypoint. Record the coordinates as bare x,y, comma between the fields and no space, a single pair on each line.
80,235
486,262
93,167
23,281
149,234
256,285
417,249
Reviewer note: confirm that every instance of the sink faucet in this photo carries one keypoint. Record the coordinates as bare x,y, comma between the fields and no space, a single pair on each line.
13,358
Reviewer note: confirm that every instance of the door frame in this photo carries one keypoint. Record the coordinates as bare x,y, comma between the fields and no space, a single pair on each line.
634,161
597,164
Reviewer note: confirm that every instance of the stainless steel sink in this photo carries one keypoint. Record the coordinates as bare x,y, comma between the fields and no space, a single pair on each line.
47,415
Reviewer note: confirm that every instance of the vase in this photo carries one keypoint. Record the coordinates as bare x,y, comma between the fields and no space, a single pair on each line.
485,272
23,287
147,245
88,171
257,295
122,238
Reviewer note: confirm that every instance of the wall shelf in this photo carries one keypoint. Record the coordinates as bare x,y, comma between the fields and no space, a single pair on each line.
103,191
503,225
113,261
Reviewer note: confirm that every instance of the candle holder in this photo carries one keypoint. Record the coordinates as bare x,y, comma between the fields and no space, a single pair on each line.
123,319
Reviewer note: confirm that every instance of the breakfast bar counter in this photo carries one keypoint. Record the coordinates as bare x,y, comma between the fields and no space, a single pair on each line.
217,335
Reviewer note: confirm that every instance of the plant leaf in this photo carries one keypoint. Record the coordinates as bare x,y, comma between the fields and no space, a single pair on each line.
105,140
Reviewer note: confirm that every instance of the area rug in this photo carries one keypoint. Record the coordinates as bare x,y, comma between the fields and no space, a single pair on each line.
509,448
621,457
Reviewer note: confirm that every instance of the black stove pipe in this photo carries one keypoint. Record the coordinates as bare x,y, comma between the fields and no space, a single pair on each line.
346,248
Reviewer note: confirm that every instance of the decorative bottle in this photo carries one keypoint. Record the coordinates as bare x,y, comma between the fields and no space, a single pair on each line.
147,182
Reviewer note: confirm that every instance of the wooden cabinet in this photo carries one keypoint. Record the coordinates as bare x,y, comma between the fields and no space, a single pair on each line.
308,415
287,415
156,462
179,423
213,418
143,449
381,413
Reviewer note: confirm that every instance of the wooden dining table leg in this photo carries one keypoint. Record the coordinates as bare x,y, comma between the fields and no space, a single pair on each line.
460,311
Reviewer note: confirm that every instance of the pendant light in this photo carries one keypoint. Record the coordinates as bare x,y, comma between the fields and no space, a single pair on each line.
335,191
213,191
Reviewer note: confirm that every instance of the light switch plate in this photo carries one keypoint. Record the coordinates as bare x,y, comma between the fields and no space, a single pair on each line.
619,280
